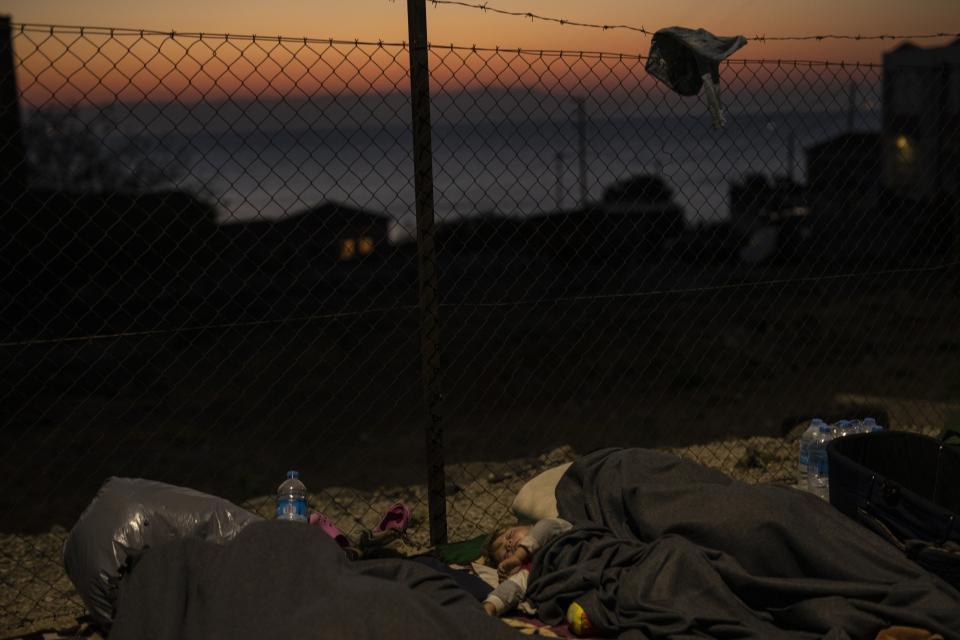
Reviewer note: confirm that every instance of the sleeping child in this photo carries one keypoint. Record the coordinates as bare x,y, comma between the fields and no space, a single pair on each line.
511,550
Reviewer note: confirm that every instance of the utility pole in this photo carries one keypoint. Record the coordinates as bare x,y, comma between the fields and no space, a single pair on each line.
791,144
427,265
851,105
943,99
582,147
558,174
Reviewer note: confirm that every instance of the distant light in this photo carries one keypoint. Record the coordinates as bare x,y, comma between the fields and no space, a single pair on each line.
348,249
905,150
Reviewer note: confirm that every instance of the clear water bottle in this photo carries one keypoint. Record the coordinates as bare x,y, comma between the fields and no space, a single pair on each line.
870,426
292,499
842,428
805,439
818,478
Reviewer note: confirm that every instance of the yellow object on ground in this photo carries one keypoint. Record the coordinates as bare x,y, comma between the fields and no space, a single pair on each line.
577,619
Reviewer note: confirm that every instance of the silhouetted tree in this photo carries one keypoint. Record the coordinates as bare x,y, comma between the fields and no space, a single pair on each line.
74,150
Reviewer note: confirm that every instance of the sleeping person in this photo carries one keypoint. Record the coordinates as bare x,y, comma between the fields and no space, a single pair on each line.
663,546
511,550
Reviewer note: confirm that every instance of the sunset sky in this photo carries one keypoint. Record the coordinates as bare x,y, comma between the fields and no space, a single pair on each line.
386,19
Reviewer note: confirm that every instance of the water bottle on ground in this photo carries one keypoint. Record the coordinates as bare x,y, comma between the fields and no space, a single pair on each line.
292,499
842,428
818,479
804,461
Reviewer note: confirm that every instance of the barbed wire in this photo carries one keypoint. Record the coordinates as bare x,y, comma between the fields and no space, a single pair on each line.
485,7
533,16
118,32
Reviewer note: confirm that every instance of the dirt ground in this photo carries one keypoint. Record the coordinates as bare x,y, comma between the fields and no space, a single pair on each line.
720,363
654,358
35,593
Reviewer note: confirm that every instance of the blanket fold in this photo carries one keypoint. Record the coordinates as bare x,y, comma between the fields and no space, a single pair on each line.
667,547
287,580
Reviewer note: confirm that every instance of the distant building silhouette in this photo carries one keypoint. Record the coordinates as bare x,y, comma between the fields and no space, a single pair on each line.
638,194
489,234
846,172
921,119
639,216
757,201
635,220
766,215
86,261
890,194
320,236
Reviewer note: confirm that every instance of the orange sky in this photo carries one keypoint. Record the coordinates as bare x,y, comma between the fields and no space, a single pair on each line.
114,70
385,19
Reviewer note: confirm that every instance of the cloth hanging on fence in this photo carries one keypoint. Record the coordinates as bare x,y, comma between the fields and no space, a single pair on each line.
688,59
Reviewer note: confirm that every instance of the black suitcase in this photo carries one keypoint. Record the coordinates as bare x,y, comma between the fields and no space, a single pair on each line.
906,487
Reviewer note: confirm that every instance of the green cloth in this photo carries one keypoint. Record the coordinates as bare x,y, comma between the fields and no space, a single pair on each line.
462,552
950,436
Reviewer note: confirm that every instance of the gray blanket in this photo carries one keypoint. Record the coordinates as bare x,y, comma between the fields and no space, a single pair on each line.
665,547
288,580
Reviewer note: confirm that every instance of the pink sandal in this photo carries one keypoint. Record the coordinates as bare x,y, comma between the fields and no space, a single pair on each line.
326,525
392,526
396,518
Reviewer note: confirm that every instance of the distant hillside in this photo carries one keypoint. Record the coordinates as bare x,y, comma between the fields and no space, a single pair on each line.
346,111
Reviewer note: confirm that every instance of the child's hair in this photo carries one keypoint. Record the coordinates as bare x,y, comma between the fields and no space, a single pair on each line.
487,552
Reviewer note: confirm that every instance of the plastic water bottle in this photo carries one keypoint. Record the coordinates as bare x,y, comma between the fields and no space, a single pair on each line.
805,439
818,479
292,499
842,428
870,426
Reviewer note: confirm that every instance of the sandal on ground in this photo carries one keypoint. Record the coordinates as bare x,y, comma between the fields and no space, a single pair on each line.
392,526
326,525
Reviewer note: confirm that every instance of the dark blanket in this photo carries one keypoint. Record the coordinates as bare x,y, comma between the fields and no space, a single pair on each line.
665,547
286,580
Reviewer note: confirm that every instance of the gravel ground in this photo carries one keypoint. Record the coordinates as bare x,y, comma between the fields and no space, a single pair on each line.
35,593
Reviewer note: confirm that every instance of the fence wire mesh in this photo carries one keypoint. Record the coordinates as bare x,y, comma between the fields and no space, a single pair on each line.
209,271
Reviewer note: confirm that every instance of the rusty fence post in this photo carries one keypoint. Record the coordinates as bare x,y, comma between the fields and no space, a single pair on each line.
427,264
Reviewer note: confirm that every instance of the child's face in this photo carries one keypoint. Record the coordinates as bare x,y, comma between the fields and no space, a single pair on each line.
506,543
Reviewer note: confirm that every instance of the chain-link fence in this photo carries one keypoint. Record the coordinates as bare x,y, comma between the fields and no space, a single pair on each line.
210,271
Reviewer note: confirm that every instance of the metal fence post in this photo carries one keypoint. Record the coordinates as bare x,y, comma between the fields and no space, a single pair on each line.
13,166
427,262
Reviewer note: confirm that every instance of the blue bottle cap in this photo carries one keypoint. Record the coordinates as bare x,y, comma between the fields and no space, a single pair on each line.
293,474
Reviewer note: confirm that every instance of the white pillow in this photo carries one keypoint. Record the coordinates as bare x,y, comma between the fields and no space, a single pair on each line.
487,574
537,499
